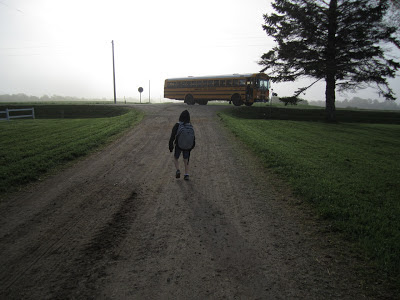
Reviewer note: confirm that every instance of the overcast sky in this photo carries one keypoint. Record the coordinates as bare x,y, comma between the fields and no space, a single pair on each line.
60,47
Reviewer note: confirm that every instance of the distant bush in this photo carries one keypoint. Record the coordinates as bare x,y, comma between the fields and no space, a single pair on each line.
357,102
290,100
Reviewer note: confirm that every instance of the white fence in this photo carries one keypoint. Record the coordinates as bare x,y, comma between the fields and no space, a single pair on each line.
8,116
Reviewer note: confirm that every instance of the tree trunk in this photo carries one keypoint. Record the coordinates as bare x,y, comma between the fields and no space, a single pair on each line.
330,95
330,92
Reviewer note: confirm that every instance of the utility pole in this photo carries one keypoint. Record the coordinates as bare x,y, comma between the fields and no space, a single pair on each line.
115,93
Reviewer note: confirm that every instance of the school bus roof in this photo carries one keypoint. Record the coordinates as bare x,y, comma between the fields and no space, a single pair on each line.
230,76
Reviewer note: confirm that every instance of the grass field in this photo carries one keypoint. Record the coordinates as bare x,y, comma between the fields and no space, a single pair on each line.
60,134
349,172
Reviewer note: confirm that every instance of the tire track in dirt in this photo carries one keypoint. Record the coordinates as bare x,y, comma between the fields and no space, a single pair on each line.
91,264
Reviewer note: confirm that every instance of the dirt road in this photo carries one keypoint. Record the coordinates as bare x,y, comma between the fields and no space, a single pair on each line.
118,225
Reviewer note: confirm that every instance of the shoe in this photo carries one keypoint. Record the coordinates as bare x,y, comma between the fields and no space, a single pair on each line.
186,177
178,174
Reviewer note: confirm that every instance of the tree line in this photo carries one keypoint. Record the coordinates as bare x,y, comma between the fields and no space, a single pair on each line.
45,98
357,102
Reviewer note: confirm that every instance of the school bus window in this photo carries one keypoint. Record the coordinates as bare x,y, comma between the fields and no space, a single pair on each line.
263,84
242,82
216,82
222,83
229,83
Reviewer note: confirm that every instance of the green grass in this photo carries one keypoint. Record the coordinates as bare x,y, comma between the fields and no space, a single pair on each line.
349,172
31,149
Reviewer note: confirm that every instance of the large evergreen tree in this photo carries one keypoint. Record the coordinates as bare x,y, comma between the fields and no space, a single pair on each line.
339,41
393,17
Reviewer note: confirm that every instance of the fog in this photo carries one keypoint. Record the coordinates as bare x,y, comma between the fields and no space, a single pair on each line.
64,47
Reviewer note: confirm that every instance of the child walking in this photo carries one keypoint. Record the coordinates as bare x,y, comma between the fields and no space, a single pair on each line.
183,138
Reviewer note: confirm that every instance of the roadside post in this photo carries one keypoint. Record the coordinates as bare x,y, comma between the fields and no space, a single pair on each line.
270,104
140,91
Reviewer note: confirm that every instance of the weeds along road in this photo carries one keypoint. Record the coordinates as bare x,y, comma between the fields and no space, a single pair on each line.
118,225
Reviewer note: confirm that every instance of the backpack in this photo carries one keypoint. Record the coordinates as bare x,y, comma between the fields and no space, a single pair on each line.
185,136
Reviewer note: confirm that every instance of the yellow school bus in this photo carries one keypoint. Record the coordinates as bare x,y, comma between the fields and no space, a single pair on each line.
236,88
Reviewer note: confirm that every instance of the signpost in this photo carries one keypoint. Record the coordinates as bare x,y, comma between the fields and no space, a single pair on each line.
140,91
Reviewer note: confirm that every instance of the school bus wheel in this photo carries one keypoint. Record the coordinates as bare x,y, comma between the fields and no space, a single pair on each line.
237,101
189,100
202,102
